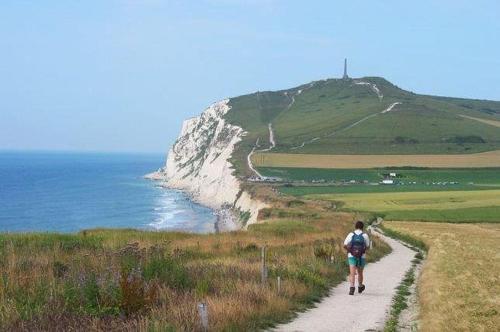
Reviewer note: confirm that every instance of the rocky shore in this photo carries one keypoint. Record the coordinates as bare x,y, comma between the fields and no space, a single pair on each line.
198,163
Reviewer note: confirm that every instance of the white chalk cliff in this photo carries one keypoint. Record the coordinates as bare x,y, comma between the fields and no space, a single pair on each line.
198,163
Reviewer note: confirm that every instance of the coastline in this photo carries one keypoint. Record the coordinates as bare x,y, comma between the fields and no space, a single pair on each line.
69,192
199,164
226,221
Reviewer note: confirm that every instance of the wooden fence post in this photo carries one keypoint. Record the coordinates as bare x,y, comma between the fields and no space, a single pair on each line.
203,312
264,264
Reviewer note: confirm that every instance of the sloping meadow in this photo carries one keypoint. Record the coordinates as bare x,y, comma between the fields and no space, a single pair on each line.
458,288
135,280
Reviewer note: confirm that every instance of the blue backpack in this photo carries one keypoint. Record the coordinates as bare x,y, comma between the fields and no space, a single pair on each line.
357,246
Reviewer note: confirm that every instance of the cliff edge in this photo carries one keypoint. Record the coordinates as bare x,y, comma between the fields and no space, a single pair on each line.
198,163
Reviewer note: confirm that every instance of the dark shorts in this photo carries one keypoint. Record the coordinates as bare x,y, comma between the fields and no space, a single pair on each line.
359,262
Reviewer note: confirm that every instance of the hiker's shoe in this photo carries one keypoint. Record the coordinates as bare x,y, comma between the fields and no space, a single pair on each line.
351,290
361,288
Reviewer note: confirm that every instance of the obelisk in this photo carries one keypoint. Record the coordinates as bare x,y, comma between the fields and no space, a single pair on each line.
345,77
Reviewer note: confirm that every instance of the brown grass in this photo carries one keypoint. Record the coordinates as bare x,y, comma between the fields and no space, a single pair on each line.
129,280
483,159
459,286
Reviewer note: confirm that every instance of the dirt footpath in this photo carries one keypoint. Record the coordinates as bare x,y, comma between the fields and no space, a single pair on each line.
367,311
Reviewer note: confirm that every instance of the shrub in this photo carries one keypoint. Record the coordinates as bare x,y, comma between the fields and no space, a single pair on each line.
310,278
295,203
71,296
404,140
129,257
465,139
239,249
132,289
90,290
30,303
244,216
59,269
167,270
202,288
265,213
110,298
325,249
251,247
282,228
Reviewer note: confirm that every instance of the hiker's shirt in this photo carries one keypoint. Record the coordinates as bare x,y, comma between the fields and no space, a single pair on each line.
349,238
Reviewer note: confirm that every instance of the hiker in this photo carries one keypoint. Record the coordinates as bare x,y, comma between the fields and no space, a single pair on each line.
356,243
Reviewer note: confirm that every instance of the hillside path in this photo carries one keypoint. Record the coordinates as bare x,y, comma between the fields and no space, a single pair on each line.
272,145
367,311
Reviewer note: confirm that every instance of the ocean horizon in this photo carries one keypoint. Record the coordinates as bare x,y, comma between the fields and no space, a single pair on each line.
55,191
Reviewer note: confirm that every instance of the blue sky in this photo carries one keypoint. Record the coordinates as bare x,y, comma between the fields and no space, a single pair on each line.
121,75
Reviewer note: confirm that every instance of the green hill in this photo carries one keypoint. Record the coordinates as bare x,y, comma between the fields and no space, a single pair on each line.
368,115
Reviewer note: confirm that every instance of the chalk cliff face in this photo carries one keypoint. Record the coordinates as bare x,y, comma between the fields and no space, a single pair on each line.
198,163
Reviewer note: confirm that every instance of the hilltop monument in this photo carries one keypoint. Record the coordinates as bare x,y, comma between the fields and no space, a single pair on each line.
345,77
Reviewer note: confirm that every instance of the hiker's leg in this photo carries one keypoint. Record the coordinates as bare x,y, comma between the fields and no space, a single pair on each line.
360,276
352,274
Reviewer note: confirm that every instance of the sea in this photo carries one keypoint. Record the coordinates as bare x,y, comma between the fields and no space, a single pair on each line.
69,192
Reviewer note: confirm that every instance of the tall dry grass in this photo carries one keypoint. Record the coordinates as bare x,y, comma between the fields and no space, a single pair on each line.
459,286
130,280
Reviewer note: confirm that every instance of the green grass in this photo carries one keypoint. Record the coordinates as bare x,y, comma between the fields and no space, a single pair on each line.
420,175
427,200
319,190
327,106
449,206
50,241
468,215
396,202
410,240
282,228
420,129
424,124
310,174
468,180
120,279
421,124
399,302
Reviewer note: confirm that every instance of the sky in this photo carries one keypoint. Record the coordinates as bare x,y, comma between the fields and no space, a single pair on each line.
122,75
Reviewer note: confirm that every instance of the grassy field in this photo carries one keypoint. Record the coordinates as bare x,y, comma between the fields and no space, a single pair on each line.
133,280
423,176
343,117
456,206
405,201
490,122
351,161
458,288
306,190
419,125
413,127
416,200
478,214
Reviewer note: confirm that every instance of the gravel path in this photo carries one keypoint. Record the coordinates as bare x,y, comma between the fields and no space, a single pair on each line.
368,311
